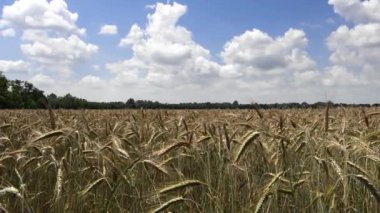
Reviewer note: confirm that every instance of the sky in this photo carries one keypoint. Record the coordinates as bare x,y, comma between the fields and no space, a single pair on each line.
265,51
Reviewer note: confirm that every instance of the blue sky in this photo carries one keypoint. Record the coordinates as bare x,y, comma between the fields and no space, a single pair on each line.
177,51
212,25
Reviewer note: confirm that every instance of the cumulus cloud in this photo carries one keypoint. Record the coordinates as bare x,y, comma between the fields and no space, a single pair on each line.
58,53
41,14
258,50
18,66
92,82
42,81
50,36
340,76
355,50
96,67
164,53
8,32
150,6
256,56
358,11
108,30
168,65
127,71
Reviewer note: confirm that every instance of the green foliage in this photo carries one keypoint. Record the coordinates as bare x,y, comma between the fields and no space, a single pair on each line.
19,94
3,90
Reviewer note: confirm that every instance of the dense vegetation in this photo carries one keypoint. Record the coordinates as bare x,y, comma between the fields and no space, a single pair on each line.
18,94
309,160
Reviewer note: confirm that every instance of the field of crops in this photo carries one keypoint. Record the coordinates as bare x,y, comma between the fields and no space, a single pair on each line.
310,160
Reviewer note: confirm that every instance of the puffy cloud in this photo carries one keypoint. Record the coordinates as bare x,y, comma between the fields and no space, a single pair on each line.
257,57
8,32
41,14
3,23
355,50
127,71
96,67
50,36
167,61
169,66
307,78
93,82
260,51
150,6
363,35
108,30
164,53
340,76
18,66
58,53
358,11
134,36
43,81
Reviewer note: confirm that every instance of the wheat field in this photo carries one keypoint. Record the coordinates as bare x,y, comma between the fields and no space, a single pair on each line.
304,160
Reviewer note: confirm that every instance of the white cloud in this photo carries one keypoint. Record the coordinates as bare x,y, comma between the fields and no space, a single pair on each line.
164,53
3,24
41,14
340,76
355,51
127,71
58,53
257,57
307,78
169,63
92,82
169,66
50,36
108,30
257,49
363,35
96,67
43,81
134,36
18,66
358,11
150,6
8,32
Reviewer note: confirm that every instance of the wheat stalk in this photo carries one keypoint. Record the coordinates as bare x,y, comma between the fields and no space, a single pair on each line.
370,186
180,185
167,204
247,139
167,149
265,192
48,135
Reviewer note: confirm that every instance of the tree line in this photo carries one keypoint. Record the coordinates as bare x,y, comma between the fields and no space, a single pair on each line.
17,94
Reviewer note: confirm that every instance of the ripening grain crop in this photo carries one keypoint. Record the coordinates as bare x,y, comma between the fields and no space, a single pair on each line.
312,160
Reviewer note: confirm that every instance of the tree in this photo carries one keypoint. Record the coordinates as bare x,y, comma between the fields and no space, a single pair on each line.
3,83
4,102
131,103
53,101
16,88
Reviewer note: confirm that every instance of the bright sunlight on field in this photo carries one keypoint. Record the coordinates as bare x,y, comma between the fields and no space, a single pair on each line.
318,160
